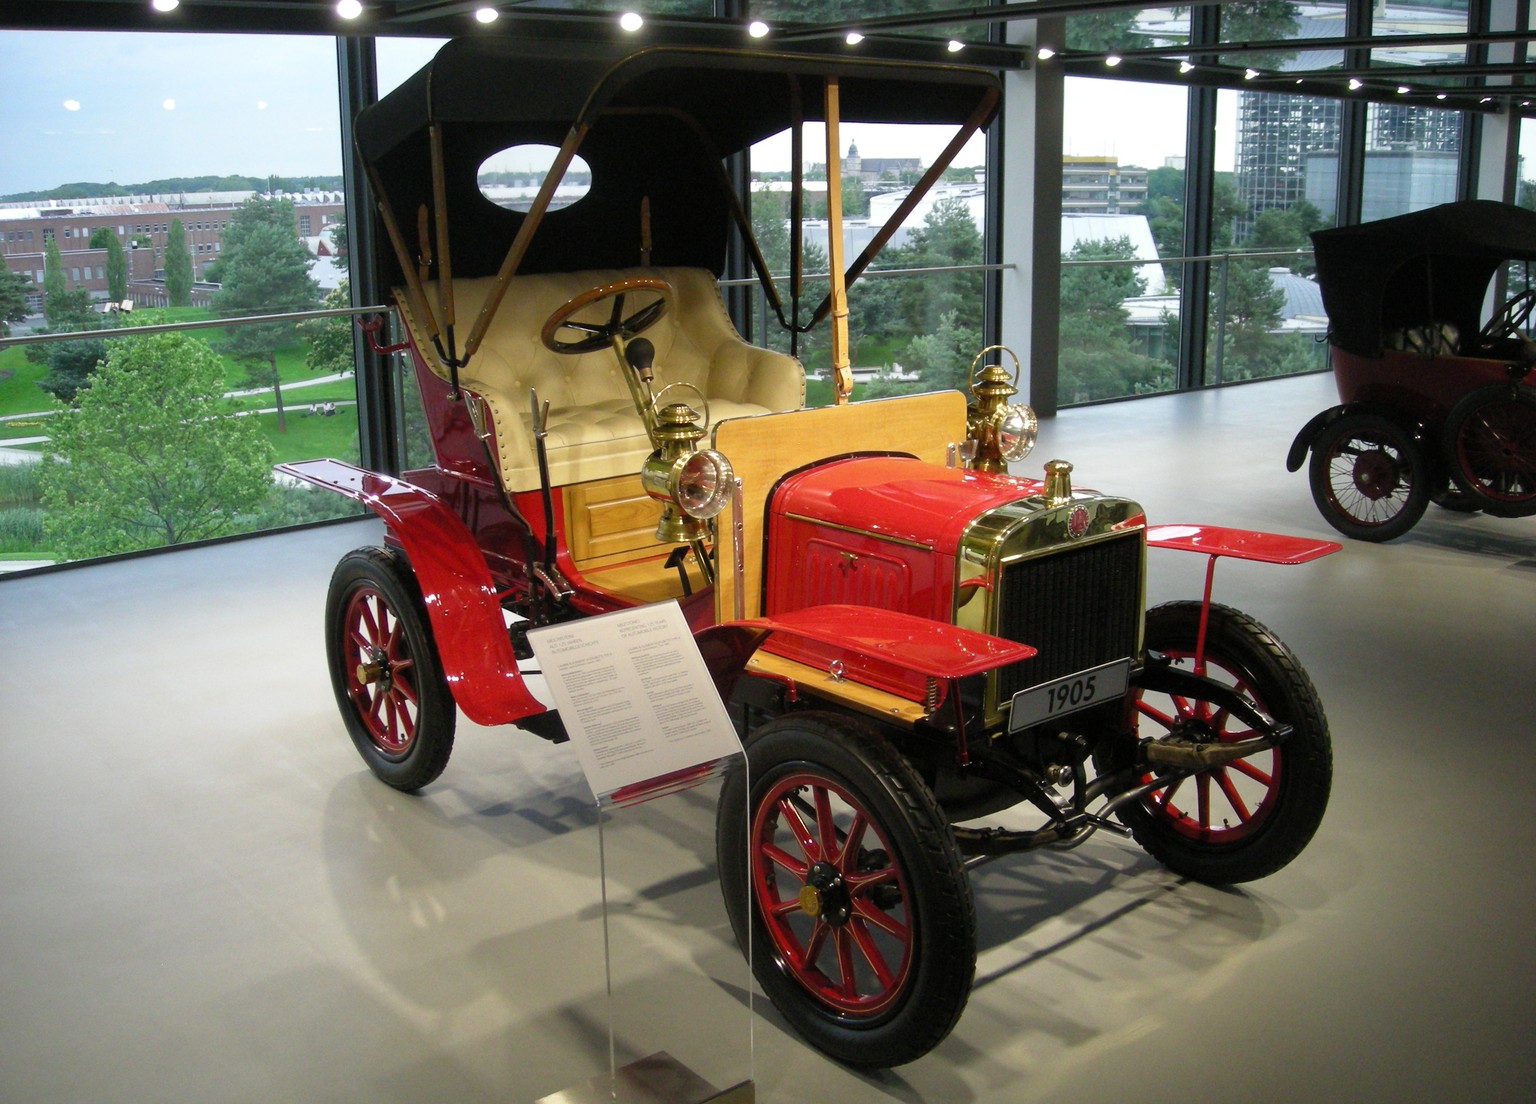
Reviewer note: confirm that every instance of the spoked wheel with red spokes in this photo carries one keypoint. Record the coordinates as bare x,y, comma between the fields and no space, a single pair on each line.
1490,445
1369,477
843,869
385,670
1249,817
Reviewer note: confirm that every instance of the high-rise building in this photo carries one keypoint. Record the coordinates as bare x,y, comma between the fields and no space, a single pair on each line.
1101,186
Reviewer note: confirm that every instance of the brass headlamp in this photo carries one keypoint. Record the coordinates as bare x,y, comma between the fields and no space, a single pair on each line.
1002,431
693,484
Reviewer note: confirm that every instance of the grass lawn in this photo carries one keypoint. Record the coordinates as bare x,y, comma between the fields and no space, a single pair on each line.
19,393
299,398
309,438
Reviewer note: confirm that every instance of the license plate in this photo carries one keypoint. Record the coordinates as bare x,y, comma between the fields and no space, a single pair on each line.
1067,695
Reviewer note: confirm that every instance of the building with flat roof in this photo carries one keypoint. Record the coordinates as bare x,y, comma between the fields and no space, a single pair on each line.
141,226
1101,186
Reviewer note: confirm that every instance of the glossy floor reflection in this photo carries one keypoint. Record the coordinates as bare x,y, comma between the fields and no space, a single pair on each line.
207,898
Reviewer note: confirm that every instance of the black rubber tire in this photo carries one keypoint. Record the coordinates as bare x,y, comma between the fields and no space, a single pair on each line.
401,715
1450,497
1369,477
1490,448
910,908
1280,795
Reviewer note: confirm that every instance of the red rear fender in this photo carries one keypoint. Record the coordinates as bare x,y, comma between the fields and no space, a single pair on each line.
455,583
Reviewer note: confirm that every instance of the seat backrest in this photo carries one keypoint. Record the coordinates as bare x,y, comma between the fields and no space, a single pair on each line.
593,430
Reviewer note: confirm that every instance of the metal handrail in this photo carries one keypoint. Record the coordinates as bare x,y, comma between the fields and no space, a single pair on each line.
172,327
1234,255
750,281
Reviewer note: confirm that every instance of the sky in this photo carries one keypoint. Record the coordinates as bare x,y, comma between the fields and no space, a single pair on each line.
131,108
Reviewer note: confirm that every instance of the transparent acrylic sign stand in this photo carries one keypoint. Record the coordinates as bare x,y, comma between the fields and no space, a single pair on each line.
654,741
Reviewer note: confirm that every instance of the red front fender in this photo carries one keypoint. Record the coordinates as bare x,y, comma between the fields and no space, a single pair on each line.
455,583
931,649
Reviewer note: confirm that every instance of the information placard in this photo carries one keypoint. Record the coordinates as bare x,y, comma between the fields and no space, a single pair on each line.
638,701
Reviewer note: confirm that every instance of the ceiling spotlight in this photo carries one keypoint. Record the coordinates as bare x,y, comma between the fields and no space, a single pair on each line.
1186,67
1486,99
165,5
349,9
1045,53
1402,90
853,38
1439,95
1249,74
631,21
1112,60
955,46
1354,84
757,28
486,15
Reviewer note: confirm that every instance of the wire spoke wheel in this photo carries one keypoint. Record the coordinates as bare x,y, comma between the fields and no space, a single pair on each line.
841,875
1369,478
1246,818
385,671
1490,444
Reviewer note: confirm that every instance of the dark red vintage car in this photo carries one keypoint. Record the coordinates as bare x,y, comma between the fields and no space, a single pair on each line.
1435,404
907,635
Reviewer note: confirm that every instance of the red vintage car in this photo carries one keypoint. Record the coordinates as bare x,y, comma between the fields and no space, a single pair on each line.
907,635
1435,404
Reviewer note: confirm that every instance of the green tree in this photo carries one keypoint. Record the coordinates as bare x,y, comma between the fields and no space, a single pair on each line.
330,339
1098,358
1248,318
770,227
265,270
339,240
1259,21
71,366
942,359
14,290
153,455
1100,30
1275,229
948,237
178,266
55,285
117,270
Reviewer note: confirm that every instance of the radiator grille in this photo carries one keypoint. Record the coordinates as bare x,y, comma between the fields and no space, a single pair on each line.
1079,608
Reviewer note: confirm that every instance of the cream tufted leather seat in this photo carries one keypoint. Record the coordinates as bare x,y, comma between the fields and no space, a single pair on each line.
593,430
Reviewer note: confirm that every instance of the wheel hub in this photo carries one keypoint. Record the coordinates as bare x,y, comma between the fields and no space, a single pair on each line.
374,668
824,896
1376,474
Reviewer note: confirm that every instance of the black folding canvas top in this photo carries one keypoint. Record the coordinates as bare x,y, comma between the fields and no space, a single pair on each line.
658,124
1428,266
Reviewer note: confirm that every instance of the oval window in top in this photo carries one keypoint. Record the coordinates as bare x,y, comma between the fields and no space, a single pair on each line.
512,177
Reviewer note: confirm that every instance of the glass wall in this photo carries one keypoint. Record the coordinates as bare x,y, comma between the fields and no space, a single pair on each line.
168,180
915,318
1122,201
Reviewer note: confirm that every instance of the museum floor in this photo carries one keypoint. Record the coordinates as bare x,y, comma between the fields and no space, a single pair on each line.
205,897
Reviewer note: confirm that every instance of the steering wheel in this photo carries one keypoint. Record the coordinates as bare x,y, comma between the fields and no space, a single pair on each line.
1514,317
600,335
